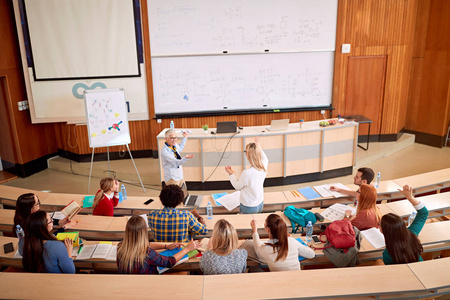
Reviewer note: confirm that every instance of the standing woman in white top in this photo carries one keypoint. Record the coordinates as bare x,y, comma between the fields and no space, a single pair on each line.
281,251
252,179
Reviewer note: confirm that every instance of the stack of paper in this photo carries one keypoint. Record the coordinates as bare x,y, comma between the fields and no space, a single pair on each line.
337,212
230,201
375,237
217,196
103,250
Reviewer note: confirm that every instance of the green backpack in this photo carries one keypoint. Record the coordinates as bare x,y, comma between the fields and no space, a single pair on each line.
299,217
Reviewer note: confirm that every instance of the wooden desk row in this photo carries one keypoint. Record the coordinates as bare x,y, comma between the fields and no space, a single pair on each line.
273,201
435,237
408,280
113,228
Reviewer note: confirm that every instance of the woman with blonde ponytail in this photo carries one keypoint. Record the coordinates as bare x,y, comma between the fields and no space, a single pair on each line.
135,255
106,198
251,181
281,251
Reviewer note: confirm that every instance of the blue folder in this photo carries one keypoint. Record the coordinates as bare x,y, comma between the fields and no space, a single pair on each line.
309,193
217,196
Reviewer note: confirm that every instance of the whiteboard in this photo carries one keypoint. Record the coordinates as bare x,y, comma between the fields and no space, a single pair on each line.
242,82
205,26
107,120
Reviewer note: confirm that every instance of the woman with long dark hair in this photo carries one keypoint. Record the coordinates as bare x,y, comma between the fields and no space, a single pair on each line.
402,244
280,251
26,205
41,251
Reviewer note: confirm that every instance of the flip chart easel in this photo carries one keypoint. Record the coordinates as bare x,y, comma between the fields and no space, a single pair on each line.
107,123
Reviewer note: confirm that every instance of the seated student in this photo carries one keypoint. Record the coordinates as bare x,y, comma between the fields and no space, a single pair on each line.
402,244
171,224
368,214
363,175
135,255
281,251
251,181
29,203
106,198
223,257
41,251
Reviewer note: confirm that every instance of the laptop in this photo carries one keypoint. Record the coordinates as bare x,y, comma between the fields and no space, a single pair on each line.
227,127
278,125
193,200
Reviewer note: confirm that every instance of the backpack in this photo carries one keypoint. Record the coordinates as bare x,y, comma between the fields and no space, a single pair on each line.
340,234
299,217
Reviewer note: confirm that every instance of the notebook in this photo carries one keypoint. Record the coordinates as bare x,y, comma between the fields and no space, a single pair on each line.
309,193
278,125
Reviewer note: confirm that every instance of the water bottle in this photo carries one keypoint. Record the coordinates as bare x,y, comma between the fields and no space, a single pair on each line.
309,233
172,126
124,192
411,218
209,211
377,181
19,232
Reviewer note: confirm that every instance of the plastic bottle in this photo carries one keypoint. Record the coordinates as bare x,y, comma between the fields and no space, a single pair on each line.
377,181
301,123
172,125
411,218
19,232
209,211
124,192
309,232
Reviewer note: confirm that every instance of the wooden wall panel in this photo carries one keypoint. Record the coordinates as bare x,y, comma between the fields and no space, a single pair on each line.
414,93
421,28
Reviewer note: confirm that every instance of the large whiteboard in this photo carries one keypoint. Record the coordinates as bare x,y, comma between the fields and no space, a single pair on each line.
107,120
242,82
211,26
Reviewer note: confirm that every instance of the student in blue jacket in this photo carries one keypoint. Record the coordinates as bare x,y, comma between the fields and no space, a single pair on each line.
402,244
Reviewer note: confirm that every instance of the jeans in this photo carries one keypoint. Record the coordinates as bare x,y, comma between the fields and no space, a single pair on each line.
251,209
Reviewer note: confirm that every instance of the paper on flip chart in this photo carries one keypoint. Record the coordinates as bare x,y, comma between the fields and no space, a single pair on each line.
324,190
338,185
86,252
231,201
337,211
375,237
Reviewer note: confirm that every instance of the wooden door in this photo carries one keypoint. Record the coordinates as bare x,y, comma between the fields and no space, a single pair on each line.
365,90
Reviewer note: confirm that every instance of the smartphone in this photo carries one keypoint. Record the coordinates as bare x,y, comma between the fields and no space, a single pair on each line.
8,248
148,201
316,239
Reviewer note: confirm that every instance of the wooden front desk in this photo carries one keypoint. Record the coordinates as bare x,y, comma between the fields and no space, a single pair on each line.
295,155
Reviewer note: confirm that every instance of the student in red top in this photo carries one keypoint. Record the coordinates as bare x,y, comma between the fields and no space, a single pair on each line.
106,198
368,214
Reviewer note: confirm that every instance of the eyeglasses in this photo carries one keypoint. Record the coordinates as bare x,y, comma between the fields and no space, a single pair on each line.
245,151
173,138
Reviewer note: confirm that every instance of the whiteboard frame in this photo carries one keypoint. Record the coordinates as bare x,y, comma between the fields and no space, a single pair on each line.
87,118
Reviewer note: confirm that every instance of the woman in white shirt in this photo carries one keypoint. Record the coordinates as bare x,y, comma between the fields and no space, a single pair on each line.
252,179
281,251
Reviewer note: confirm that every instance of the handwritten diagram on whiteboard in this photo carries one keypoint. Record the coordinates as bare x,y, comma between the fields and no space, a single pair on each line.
107,118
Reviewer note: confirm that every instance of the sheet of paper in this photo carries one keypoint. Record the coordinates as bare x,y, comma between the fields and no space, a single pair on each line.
75,251
231,201
101,251
58,215
162,270
112,255
341,186
337,211
324,190
86,252
375,237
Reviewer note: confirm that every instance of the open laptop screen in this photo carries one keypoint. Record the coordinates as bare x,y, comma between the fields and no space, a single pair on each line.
227,127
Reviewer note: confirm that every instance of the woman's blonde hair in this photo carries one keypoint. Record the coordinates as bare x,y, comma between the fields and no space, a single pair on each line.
224,239
368,200
106,184
134,247
254,156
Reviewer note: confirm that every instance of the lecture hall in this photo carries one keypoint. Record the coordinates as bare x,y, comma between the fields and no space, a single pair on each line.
255,149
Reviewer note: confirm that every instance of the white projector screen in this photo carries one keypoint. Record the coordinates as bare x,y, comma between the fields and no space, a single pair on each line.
74,39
